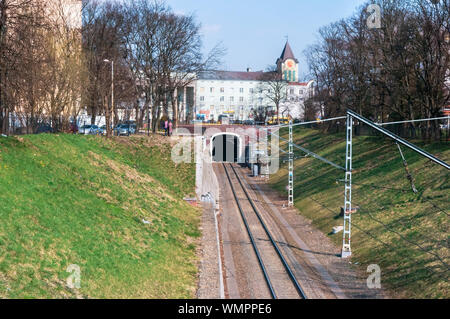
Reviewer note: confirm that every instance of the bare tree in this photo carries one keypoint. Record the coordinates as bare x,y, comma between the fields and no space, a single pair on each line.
398,71
21,23
273,88
163,52
103,40
260,114
65,65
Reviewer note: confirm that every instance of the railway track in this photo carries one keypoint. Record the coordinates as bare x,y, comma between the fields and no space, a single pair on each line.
276,271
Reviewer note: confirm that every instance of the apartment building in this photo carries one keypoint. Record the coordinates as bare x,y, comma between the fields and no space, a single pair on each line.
238,94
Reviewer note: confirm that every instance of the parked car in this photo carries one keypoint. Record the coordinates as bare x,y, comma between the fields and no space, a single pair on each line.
249,122
125,129
44,128
95,130
88,129
84,129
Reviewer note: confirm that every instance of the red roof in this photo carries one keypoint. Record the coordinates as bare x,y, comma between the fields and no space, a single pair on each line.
231,75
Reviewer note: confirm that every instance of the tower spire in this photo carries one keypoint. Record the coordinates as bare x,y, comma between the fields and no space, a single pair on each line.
287,64
287,53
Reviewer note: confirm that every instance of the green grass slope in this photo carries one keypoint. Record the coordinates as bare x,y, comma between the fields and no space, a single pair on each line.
67,199
406,234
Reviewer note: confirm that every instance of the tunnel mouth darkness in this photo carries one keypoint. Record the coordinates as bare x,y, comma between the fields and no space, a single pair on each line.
225,148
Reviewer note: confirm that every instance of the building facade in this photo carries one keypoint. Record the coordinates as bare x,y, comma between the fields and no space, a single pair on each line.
66,12
238,94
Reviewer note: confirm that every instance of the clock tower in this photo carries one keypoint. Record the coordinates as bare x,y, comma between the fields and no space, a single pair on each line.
287,64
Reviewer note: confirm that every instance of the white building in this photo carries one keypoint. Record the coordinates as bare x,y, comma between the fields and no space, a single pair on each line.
66,12
237,94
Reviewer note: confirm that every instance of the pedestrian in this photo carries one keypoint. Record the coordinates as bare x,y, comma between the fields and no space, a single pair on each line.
170,128
166,126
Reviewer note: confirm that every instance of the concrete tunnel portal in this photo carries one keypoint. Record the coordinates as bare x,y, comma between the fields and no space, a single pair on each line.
226,148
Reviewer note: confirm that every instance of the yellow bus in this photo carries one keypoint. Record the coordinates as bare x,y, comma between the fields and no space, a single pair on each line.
274,120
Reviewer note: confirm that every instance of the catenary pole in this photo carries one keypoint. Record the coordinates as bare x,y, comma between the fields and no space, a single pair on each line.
291,168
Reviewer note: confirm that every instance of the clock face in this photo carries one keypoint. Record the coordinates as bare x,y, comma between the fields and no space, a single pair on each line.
290,64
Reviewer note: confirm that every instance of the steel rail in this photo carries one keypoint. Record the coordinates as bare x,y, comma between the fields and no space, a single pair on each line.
275,245
252,239
398,139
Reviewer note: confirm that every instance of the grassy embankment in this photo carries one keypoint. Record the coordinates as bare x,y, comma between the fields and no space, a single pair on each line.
68,199
406,234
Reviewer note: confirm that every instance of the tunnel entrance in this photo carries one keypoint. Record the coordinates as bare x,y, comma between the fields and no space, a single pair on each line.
225,148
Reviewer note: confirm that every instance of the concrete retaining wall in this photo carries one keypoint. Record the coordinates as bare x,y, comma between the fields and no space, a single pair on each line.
207,185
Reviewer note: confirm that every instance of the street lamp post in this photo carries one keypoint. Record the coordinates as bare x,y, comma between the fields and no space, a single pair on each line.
112,91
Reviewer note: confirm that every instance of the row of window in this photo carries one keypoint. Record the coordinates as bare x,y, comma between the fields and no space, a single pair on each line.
222,99
241,99
289,76
222,108
222,90
251,90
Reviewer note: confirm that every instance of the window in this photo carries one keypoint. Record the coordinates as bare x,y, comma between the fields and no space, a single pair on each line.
241,90
231,98
212,107
241,99
251,90
222,90
293,78
222,98
211,90
202,98
290,76
291,91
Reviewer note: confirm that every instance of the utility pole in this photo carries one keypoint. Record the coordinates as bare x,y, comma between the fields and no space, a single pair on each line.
346,249
291,167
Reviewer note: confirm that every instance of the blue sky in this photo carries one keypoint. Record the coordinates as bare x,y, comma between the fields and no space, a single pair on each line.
254,32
